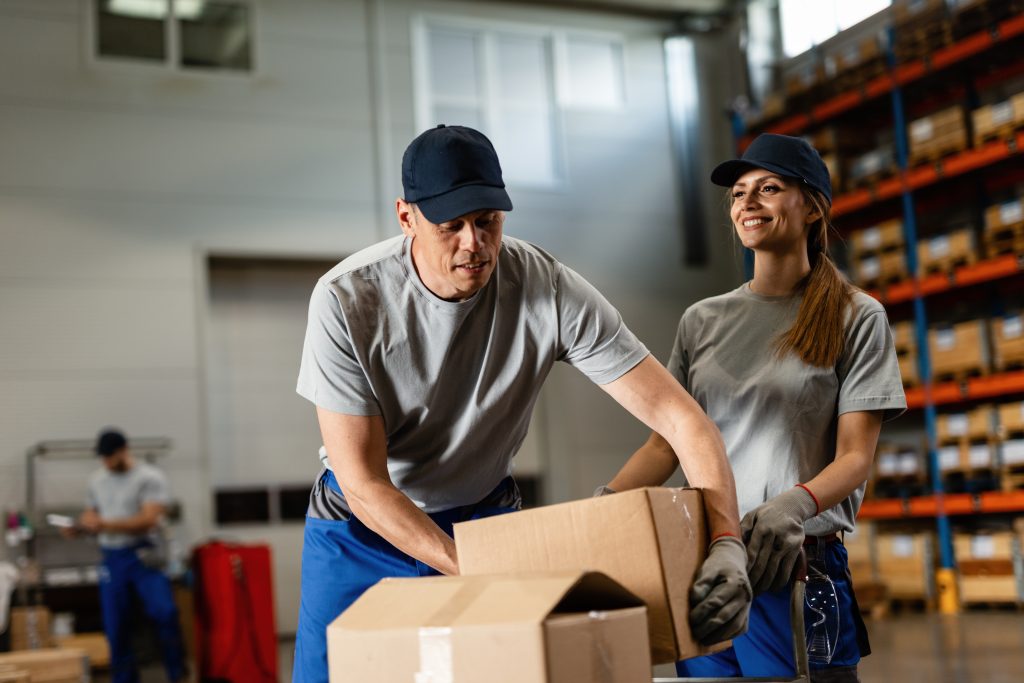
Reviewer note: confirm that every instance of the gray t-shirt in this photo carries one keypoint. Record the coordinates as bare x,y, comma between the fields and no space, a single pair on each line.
455,382
117,495
778,416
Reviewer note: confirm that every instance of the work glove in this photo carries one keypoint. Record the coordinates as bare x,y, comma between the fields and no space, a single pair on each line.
774,534
602,491
721,595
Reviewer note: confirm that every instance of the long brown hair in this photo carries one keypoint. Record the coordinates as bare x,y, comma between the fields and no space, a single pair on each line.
819,332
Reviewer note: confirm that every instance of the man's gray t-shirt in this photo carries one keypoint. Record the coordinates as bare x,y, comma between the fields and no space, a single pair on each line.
778,415
455,382
117,495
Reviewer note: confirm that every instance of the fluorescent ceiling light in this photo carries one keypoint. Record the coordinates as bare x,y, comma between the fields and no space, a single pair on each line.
156,9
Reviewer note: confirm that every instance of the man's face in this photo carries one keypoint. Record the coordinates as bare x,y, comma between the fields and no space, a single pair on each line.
454,259
117,462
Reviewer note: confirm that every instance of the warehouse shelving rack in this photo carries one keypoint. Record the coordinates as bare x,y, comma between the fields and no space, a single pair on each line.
901,187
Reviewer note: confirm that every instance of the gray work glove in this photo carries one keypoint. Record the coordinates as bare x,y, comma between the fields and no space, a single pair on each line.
602,491
774,534
721,595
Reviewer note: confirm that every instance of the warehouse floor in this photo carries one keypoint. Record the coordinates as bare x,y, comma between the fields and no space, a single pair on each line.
973,647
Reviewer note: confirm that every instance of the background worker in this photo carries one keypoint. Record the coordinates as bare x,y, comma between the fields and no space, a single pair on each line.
126,503
797,368
425,354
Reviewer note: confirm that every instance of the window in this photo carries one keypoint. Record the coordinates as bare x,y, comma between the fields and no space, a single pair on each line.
806,23
511,82
186,34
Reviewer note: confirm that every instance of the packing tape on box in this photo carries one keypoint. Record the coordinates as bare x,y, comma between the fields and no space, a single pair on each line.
601,653
435,655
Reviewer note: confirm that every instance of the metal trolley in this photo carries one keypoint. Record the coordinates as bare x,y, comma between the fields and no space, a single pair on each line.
796,620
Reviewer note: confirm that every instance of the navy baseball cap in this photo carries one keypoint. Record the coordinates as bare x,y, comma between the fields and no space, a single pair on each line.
110,441
782,154
449,171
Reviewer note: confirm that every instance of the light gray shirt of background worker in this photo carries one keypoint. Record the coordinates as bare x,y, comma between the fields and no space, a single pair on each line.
380,333
129,502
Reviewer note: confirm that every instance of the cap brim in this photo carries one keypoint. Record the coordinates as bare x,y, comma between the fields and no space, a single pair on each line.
463,200
728,172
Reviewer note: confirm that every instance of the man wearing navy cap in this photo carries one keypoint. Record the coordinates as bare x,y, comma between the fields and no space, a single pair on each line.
424,355
125,505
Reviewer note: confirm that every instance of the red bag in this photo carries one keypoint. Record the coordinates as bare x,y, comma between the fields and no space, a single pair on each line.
236,636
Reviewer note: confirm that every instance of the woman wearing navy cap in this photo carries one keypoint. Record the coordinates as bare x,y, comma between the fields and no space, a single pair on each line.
798,369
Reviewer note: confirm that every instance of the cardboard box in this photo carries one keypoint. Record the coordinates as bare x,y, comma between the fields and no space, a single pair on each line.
1011,418
906,565
882,237
9,674
652,541
1008,341
1004,215
556,627
30,628
986,563
993,119
960,349
94,644
943,253
49,665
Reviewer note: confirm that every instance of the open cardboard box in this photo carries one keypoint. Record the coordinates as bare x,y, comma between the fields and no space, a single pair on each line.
652,541
554,627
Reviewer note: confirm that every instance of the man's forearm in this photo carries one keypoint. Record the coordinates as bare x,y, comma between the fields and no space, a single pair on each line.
388,512
701,453
139,524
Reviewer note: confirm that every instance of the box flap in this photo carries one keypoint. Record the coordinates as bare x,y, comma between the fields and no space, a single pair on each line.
454,601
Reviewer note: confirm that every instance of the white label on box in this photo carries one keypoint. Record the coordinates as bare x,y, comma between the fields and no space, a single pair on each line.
902,546
945,338
983,547
908,463
1013,452
888,464
1012,327
870,268
1002,113
1011,212
956,424
938,246
980,455
872,163
851,55
921,130
871,238
949,457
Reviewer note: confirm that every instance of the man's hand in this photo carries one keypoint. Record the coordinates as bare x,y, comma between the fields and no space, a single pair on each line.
774,534
90,522
721,595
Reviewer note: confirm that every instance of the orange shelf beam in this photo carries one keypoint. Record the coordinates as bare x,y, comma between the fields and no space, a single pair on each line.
900,75
929,174
984,271
976,388
989,502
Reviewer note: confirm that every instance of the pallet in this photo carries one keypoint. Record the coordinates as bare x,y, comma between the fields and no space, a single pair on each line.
1004,132
948,266
971,481
1006,239
872,599
882,281
897,605
961,375
1013,478
919,40
979,16
934,154
869,181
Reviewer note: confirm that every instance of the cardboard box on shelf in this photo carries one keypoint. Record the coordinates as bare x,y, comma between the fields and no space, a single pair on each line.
880,269
1011,419
10,674
959,350
943,253
994,120
931,137
51,665
906,565
986,564
557,627
1008,341
882,237
655,555
1004,214
30,628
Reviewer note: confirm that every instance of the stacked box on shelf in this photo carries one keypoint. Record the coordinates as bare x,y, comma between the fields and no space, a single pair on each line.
870,167
877,254
998,120
934,136
860,550
922,26
1008,342
804,77
945,253
972,16
989,565
959,351
906,564
1004,228
898,470
1011,431
906,352
967,443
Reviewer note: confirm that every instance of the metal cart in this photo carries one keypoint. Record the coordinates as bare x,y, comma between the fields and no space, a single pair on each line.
796,620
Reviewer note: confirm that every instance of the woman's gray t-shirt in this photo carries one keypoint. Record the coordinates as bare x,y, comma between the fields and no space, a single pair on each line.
778,415
455,382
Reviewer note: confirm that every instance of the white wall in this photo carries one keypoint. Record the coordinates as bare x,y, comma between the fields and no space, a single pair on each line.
115,183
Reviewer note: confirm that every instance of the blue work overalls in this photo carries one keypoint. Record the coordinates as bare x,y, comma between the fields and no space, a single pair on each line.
340,560
123,575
